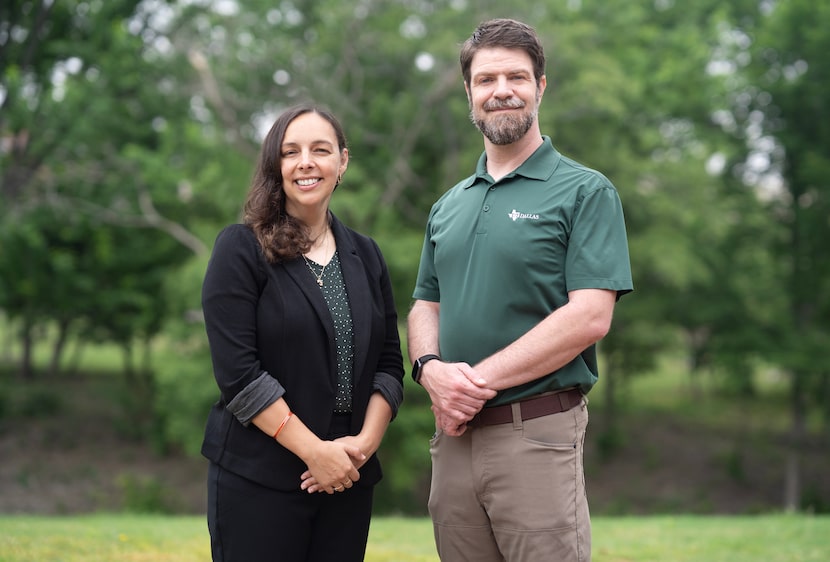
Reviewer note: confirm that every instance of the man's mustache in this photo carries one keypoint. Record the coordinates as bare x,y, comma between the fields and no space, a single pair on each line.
512,103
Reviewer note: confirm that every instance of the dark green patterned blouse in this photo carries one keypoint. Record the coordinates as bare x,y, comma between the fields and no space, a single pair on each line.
334,291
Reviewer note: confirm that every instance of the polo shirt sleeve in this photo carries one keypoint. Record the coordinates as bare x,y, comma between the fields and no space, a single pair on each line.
598,246
426,285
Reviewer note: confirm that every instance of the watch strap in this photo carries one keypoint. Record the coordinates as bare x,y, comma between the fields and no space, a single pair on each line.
419,364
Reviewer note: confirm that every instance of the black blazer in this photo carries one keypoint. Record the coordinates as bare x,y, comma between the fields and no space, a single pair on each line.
264,318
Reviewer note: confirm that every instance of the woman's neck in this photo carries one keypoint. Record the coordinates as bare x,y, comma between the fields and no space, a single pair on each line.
323,245
317,223
318,229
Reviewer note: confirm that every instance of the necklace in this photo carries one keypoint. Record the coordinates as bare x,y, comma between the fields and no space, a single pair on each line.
319,278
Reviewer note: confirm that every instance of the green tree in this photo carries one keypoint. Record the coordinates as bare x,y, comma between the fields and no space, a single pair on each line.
129,132
629,93
86,106
783,112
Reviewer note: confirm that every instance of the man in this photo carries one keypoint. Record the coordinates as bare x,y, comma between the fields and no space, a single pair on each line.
521,266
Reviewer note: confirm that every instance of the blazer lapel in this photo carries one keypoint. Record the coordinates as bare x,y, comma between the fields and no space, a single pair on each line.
360,296
299,273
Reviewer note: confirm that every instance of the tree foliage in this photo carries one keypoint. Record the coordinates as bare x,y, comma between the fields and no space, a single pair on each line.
785,119
129,131
86,95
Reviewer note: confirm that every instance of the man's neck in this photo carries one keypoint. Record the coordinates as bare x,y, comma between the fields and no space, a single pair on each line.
503,159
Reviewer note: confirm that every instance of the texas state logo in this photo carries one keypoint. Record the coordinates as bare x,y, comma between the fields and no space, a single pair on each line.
516,215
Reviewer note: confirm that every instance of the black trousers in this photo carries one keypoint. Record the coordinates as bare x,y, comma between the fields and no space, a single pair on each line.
249,522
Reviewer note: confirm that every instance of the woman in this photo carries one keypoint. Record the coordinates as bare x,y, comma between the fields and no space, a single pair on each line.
303,334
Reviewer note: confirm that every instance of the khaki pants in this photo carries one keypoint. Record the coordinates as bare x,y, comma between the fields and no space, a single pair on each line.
512,492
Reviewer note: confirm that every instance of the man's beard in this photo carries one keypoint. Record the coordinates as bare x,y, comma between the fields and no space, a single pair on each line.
503,129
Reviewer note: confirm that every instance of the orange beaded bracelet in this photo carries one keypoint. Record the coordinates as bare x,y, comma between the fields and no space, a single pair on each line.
282,425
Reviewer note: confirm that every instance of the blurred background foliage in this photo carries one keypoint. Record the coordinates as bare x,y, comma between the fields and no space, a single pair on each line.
129,131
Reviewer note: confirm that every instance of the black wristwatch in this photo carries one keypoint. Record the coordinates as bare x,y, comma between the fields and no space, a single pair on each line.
419,364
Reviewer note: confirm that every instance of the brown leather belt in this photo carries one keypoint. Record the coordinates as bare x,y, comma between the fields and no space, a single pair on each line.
531,408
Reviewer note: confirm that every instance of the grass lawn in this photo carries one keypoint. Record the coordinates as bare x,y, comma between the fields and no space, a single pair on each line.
127,538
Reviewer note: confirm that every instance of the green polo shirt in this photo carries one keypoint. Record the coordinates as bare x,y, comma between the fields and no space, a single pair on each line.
501,256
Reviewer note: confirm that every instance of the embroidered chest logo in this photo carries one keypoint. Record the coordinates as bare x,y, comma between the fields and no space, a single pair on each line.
516,215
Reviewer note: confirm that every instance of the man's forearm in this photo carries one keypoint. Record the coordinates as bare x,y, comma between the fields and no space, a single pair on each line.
422,329
552,343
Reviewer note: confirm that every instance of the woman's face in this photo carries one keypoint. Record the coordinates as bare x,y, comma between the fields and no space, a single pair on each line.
311,163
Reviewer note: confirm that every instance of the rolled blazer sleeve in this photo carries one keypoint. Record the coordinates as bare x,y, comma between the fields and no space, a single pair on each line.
389,375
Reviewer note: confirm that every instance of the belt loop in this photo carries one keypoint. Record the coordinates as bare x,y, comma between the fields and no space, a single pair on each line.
516,409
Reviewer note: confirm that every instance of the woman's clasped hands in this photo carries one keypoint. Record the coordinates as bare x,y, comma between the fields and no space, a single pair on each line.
333,466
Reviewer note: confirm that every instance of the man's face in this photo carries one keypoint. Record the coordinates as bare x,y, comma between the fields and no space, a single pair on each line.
503,94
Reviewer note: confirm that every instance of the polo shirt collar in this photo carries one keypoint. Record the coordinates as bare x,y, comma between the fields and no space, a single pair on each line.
539,166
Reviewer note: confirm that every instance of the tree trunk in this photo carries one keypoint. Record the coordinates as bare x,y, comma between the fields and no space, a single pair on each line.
60,344
610,439
146,367
7,341
27,345
792,476
129,368
825,404
609,394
